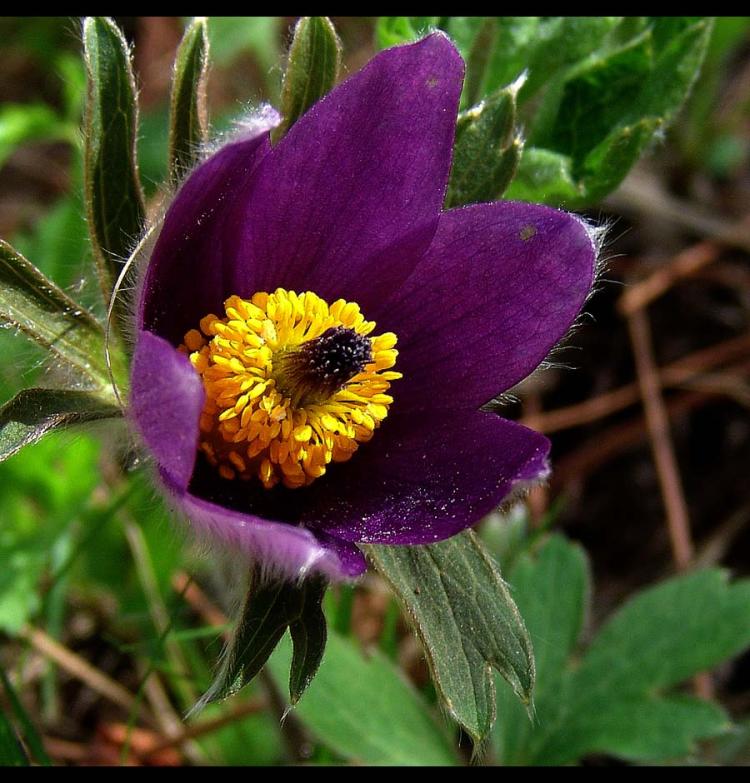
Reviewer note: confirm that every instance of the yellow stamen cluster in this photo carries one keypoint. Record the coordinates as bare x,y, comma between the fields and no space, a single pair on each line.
252,425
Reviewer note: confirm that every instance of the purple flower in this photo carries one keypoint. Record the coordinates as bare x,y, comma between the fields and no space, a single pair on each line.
255,333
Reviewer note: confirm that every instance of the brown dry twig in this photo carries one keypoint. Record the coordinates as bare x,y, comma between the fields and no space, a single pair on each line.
684,264
679,373
657,423
82,670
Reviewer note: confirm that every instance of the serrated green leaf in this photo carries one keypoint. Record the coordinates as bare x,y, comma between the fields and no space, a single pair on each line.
675,70
559,43
34,304
606,165
32,413
467,621
499,49
643,729
666,634
309,633
364,710
600,115
187,122
486,151
657,640
312,68
620,699
552,592
114,199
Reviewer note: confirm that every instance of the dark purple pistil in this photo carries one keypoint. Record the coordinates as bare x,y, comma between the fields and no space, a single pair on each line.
320,367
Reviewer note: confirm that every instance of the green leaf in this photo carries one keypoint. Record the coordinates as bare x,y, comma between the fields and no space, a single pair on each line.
47,315
365,711
22,123
312,68
640,729
30,734
34,412
187,126
497,50
620,699
271,606
558,43
600,114
544,177
552,592
702,127
309,634
395,30
467,621
262,622
668,633
232,36
486,150
114,200
12,753
51,481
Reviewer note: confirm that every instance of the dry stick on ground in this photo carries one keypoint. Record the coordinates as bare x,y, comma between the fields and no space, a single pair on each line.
657,422
607,445
727,384
680,372
82,670
202,728
643,193
718,544
64,749
684,264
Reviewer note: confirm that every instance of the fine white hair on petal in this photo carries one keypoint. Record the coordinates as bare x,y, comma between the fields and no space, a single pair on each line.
252,123
288,552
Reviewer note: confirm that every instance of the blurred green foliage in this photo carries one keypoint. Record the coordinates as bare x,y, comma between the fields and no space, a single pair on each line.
597,90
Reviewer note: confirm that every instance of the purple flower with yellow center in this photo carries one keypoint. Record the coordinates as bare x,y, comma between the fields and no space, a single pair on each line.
316,337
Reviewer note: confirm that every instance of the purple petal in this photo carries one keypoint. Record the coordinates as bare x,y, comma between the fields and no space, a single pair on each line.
283,549
166,399
499,287
189,273
349,199
430,483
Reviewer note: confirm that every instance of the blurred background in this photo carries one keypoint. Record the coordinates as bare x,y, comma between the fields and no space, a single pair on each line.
104,604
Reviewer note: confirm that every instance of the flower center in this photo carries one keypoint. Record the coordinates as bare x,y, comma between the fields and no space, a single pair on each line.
315,370
292,384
